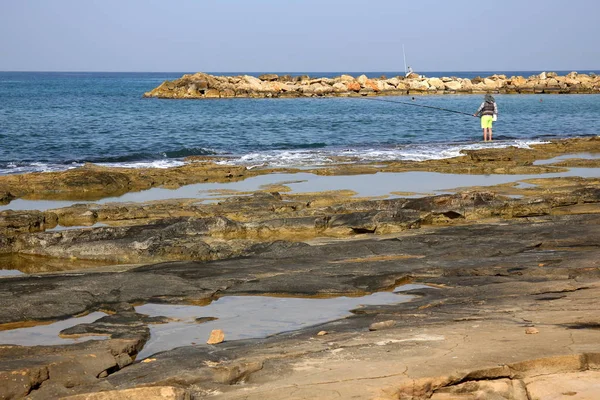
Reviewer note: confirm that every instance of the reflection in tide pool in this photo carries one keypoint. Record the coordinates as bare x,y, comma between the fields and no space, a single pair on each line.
370,185
59,228
244,317
49,334
583,156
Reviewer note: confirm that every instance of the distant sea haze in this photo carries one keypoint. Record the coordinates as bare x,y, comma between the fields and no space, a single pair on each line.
58,120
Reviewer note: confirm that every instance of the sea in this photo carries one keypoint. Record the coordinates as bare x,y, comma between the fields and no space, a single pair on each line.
53,121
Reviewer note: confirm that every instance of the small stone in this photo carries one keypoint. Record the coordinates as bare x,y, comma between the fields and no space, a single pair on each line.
103,374
382,325
216,336
322,333
531,331
202,320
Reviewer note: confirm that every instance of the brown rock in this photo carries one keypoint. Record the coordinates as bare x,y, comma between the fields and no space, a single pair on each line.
146,393
418,85
369,83
322,333
362,79
377,326
353,86
212,94
339,87
454,85
531,331
216,336
437,83
268,77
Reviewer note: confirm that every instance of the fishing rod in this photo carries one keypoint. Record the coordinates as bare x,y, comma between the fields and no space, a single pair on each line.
417,105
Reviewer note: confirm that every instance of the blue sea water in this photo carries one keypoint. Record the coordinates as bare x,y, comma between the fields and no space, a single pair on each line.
58,120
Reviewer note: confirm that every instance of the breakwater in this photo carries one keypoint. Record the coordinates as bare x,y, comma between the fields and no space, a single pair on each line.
206,86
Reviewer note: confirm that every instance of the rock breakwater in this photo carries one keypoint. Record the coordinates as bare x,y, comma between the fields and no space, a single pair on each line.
205,86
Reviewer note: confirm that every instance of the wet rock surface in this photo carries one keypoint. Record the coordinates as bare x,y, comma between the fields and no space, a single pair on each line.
497,266
501,279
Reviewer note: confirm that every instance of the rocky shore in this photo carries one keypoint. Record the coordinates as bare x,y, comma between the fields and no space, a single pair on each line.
511,277
205,86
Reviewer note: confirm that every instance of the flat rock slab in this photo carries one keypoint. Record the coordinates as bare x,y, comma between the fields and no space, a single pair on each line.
490,282
148,393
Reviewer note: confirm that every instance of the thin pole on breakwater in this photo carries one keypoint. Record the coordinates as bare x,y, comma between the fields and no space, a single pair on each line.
404,54
417,105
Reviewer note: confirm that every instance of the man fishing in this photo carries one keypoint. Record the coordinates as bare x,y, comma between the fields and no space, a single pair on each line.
488,110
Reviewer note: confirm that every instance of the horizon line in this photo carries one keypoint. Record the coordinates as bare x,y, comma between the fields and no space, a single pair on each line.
301,72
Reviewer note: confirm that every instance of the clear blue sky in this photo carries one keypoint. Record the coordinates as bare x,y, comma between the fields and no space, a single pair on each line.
295,35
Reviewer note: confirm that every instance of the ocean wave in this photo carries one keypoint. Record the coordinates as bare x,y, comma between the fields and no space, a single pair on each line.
300,158
147,157
161,164
286,158
288,146
27,167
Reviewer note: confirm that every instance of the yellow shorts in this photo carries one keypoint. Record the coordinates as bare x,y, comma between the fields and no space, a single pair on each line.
486,121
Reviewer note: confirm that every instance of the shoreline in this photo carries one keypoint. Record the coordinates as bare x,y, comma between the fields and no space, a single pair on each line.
92,182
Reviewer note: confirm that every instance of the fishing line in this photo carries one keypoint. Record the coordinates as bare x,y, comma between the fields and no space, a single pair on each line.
416,105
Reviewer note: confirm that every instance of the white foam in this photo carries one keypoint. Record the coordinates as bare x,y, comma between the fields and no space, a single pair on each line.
13,168
290,158
304,158
161,164
281,159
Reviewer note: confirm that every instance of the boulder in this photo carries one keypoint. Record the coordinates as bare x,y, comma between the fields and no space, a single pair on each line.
454,86
353,86
253,83
489,84
466,85
212,94
436,83
418,85
268,77
384,86
340,87
228,93
393,81
286,87
193,90
319,89
272,86
369,83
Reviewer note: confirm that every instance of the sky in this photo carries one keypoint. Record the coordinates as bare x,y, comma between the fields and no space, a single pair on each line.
298,36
